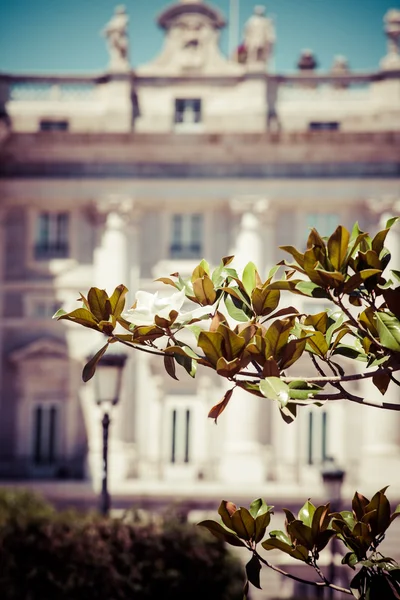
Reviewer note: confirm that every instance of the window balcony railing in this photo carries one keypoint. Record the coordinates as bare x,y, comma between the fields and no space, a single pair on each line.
46,251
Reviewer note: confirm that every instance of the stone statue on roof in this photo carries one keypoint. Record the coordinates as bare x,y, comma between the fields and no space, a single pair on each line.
259,37
116,32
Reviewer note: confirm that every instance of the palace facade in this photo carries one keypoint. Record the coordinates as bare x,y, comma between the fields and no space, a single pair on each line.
128,175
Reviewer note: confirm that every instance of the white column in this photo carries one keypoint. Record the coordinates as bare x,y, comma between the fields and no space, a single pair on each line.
242,456
111,256
111,268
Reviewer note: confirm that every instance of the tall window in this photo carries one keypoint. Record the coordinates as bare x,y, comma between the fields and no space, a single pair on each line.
324,223
317,439
52,235
188,110
186,236
180,435
45,426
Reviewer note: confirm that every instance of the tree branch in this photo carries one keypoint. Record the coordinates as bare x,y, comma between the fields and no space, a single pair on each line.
345,395
333,379
320,584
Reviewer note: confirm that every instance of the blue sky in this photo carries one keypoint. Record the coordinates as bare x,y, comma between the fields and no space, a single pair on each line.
64,35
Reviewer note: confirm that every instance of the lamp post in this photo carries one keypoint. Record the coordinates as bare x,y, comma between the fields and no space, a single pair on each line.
108,385
332,477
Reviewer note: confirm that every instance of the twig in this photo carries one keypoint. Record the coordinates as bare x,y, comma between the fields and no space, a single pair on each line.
300,579
333,379
345,395
137,347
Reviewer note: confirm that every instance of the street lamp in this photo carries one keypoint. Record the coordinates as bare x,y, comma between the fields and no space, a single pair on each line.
108,385
332,477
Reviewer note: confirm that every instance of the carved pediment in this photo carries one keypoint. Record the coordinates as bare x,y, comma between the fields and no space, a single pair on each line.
191,43
39,350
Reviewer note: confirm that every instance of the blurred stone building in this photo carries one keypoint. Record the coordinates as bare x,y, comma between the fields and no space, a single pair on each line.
129,175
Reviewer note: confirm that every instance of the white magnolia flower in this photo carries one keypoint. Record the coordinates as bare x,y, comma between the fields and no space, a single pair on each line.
149,305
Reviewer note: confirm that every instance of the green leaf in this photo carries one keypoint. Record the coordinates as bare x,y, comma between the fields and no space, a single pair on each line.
60,313
236,313
317,344
308,288
82,317
337,247
211,344
249,277
275,389
117,300
243,523
99,304
306,513
90,368
380,520
253,569
221,533
355,281
301,390
389,330
187,363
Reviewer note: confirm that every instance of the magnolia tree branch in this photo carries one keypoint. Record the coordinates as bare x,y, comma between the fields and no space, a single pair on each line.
319,584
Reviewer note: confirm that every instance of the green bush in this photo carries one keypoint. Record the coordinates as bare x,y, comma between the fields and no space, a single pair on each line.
68,556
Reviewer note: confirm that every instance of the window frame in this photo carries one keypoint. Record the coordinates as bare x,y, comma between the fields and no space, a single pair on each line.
56,263
186,251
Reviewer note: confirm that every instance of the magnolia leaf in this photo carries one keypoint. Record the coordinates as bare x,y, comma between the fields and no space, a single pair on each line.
337,247
81,316
355,281
289,412
221,533
249,277
306,513
187,363
292,352
318,321
253,569
236,313
220,407
278,334
389,330
203,289
381,381
99,304
117,300
358,504
275,389
211,344
243,523
380,518
90,368
301,390
169,364
168,281
308,288
317,344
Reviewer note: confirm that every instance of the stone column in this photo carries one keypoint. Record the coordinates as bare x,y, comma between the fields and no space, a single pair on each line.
242,456
112,268
111,255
